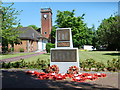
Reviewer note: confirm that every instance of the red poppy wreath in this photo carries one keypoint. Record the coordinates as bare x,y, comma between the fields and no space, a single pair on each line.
73,70
52,69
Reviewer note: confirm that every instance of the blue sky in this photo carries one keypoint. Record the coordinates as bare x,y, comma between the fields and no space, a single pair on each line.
94,11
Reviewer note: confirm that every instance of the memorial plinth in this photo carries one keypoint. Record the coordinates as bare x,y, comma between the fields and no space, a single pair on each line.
64,55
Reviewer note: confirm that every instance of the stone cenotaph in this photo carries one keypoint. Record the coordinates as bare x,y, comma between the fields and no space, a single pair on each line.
64,55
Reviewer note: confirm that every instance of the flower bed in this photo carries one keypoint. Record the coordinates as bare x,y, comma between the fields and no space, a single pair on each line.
73,75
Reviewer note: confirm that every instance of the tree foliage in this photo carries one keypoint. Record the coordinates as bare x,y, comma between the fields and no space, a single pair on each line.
81,34
94,35
33,26
20,26
53,34
9,25
108,33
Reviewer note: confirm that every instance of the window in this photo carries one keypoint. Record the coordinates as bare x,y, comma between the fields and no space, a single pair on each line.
45,32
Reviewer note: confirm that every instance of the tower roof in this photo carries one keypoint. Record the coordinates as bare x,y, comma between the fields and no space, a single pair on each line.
46,10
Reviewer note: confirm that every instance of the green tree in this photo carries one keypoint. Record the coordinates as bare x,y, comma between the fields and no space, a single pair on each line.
9,25
20,26
108,33
33,26
53,34
81,34
0,23
94,38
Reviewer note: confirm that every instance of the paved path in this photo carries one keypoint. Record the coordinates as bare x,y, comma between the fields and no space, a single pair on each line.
20,79
21,57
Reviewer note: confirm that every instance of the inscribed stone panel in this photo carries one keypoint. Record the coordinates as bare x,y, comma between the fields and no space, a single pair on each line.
63,35
64,55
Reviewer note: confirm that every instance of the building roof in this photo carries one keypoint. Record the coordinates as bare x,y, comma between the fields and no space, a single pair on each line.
29,33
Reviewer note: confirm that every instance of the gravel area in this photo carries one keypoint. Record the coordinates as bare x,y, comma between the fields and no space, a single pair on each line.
17,78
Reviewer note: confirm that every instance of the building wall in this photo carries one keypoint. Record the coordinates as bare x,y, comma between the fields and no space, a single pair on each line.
33,46
27,45
40,45
44,42
23,45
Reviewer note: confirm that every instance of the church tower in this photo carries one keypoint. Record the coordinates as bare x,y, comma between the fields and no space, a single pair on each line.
46,22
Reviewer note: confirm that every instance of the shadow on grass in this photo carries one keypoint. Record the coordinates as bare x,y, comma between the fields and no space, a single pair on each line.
46,53
112,54
19,79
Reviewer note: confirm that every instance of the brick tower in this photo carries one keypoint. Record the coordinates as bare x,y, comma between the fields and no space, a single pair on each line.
46,22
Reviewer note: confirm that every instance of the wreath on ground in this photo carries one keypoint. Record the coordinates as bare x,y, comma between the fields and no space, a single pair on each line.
73,70
52,69
73,74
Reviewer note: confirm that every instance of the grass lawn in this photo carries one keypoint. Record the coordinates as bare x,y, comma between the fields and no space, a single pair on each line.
45,56
13,55
101,56
96,55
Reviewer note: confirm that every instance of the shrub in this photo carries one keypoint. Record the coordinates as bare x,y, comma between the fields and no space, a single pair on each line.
21,50
49,46
10,49
83,65
113,65
100,66
3,64
29,65
16,65
22,63
4,49
6,65
39,64
88,63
